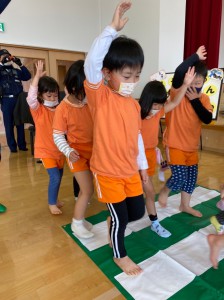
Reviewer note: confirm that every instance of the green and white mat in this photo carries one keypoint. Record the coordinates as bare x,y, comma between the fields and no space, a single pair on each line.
174,268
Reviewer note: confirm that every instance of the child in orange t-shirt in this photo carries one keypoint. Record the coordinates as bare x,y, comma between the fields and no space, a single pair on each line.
73,120
118,150
152,101
43,98
183,130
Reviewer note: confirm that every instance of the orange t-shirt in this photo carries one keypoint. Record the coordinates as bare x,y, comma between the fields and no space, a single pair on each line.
150,130
183,125
44,146
117,123
75,122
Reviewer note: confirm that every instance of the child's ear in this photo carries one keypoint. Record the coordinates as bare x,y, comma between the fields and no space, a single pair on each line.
106,73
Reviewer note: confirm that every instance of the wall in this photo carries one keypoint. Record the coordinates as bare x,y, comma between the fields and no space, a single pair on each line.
68,24
171,34
159,30
74,25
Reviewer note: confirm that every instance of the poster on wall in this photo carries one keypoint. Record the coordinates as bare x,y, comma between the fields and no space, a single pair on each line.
212,86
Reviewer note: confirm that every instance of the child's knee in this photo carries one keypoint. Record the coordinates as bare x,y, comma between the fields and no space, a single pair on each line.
138,210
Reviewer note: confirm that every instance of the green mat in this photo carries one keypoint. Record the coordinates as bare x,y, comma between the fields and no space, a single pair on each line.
143,244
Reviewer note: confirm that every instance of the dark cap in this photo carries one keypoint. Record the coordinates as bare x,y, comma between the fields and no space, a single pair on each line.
4,51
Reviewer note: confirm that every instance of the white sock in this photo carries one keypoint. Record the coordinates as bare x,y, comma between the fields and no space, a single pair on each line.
77,222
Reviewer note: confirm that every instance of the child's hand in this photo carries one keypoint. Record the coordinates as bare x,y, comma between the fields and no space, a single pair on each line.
192,93
189,76
74,156
202,53
118,21
39,69
144,176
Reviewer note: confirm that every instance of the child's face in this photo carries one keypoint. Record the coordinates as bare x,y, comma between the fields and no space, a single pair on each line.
157,106
50,96
154,110
198,81
126,75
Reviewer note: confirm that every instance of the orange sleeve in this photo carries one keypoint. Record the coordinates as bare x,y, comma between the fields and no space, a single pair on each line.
60,120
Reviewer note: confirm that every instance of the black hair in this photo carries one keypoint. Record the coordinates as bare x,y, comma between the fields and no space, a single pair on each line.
201,69
74,79
153,92
123,52
47,84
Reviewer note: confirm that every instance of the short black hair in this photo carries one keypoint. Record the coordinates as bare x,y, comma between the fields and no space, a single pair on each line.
74,79
47,84
201,69
123,52
153,92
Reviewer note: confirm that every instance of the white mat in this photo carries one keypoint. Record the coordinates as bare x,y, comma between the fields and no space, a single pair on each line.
210,229
100,237
100,230
161,278
192,253
199,195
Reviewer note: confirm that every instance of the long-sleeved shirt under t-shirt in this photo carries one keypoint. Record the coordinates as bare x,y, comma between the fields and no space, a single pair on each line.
116,119
44,146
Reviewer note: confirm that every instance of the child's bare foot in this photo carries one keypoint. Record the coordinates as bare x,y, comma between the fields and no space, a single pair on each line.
60,204
163,196
191,211
108,225
128,266
215,245
55,210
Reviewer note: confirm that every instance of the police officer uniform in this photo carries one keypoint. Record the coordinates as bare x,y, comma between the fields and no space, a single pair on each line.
10,88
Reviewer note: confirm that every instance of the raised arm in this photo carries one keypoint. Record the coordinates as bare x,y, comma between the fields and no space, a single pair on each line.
32,93
39,73
180,71
94,60
189,77
202,112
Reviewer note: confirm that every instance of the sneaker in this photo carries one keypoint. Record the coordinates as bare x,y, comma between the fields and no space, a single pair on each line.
160,230
80,231
219,227
87,224
220,205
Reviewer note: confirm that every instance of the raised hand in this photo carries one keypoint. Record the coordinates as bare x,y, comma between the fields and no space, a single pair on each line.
202,53
192,93
39,72
118,22
189,76
39,69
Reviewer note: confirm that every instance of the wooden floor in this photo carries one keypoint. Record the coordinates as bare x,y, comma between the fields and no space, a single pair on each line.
37,259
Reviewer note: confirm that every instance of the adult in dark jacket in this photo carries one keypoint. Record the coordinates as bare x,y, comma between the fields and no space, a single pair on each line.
12,72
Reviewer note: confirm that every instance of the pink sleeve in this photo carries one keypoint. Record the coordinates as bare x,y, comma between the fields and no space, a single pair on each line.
32,98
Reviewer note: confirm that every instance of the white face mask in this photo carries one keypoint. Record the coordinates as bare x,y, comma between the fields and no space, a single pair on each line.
153,112
126,88
50,103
